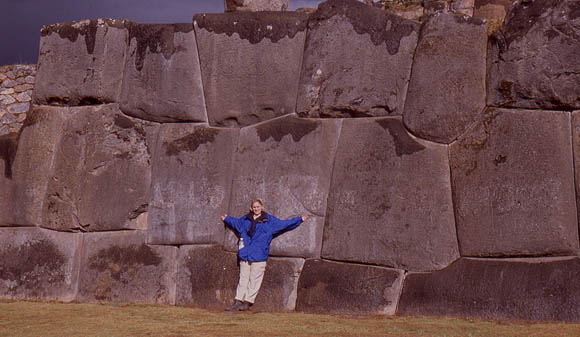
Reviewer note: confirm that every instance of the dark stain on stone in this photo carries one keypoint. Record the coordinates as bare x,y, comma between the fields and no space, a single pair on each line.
434,6
72,30
34,265
157,38
500,159
277,129
505,88
574,9
117,259
191,142
254,26
8,146
124,122
522,18
89,100
404,143
383,27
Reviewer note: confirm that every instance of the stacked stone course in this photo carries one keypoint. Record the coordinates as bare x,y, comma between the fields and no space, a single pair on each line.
441,178
16,84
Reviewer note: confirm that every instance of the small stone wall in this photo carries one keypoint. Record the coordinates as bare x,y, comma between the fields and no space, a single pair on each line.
16,85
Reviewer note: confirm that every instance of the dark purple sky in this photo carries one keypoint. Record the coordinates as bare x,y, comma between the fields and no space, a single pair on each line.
21,20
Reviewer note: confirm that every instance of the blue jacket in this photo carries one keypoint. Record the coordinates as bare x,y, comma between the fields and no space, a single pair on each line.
257,247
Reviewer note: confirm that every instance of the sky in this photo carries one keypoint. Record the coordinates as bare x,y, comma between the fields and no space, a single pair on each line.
21,20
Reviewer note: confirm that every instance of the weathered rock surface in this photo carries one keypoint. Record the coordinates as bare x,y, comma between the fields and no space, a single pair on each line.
102,171
256,75
357,61
207,277
38,264
256,5
191,184
162,80
31,166
288,163
447,88
531,289
120,267
8,146
534,59
513,185
390,199
280,284
491,9
81,63
576,149
329,287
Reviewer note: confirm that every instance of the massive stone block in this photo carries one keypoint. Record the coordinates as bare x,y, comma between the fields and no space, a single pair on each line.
255,77
357,61
531,289
513,185
447,88
534,59
28,174
102,172
120,267
162,80
8,147
81,63
280,284
491,9
39,264
191,184
329,287
390,199
288,163
208,277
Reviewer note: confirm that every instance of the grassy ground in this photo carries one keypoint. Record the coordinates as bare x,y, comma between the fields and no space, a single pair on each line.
19,318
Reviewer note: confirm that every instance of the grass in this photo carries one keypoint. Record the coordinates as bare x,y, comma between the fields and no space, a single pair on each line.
25,318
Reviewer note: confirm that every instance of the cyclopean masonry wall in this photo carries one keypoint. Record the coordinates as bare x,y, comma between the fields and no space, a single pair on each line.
443,179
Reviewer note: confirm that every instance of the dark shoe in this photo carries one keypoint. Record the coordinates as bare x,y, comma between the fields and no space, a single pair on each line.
245,306
235,306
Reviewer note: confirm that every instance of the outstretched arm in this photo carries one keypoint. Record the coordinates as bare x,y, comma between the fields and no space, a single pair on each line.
286,225
234,223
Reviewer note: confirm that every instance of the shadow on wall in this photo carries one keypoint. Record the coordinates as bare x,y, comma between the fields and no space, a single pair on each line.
438,168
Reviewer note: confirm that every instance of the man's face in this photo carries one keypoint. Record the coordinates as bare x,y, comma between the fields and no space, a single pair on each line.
256,208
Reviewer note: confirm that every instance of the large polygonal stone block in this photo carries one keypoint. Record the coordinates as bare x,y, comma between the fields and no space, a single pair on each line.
39,264
101,171
32,166
530,289
120,267
390,199
250,64
330,287
8,146
208,277
534,59
280,285
357,61
191,184
162,80
81,63
513,185
447,88
288,163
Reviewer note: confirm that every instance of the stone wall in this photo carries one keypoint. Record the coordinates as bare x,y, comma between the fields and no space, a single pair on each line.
16,84
440,172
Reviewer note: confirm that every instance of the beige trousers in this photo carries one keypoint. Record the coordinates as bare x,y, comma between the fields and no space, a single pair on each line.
251,275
